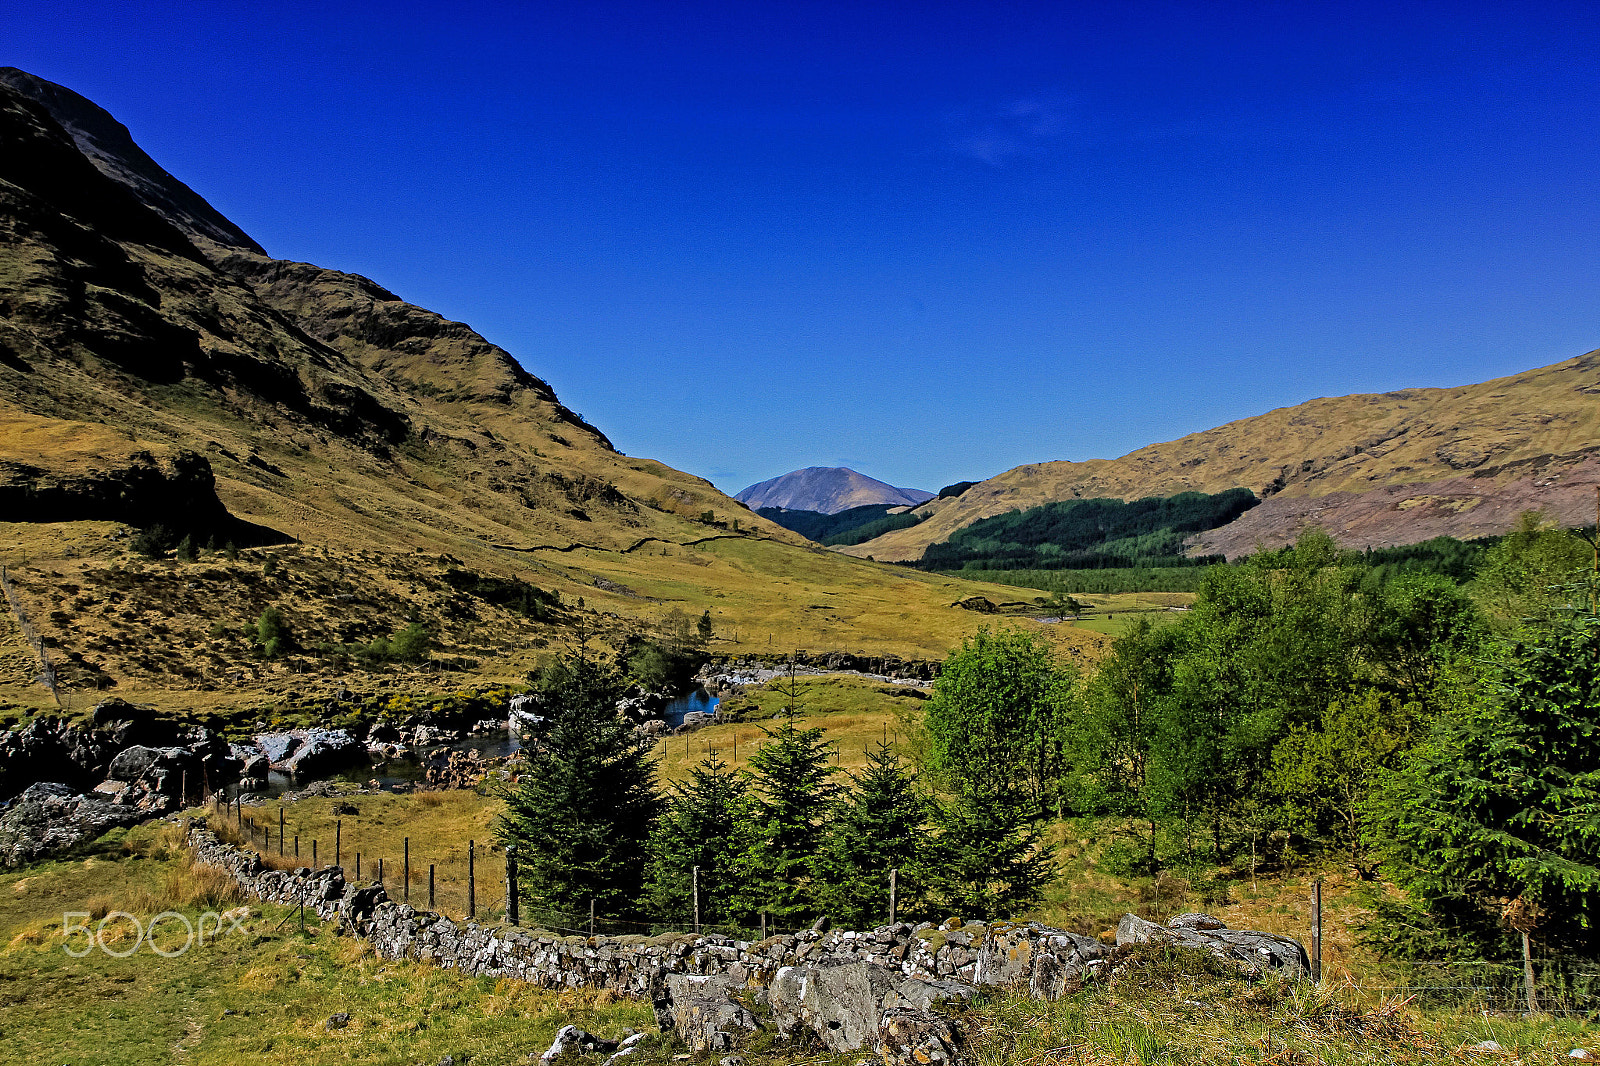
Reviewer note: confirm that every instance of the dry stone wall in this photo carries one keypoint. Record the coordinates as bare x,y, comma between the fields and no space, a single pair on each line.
884,987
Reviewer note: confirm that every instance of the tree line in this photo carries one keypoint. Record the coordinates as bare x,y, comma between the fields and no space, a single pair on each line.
1436,734
1089,534
781,841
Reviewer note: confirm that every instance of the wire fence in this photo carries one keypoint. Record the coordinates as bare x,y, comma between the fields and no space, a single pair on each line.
1562,985
464,880
471,880
47,673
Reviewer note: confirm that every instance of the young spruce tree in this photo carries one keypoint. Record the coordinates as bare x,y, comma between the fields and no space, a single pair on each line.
699,826
793,793
579,821
987,860
879,827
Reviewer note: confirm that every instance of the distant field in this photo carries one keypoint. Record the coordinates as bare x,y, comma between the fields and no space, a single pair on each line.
178,634
853,714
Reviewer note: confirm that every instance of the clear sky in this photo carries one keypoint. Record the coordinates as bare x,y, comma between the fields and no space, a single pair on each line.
927,241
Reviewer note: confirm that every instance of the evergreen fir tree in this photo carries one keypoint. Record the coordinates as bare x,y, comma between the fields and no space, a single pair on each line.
579,821
1502,804
879,827
793,794
699,826
986,861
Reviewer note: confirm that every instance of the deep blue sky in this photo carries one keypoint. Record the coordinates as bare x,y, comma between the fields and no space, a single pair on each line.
926,241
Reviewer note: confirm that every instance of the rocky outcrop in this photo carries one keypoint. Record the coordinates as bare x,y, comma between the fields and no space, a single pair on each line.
51,819
141,489
1252,952
308,752
81,757
163,770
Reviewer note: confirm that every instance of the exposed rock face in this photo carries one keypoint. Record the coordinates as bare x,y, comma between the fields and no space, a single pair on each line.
140,488
1253,952
165,770
50,749
308,752
49,819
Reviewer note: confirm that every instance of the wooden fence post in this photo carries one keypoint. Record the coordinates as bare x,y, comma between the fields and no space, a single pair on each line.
472,880
313,853
511,886
695,883
430,886
280,832
591,916
1316,930
338,856
1527,971
380,872
894,888
408,869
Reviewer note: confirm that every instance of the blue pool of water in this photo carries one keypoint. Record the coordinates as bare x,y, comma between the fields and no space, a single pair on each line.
698,700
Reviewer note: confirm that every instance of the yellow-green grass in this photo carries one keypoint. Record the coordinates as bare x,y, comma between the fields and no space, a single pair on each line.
141,623
264,994
439,825
766,596
1176,1007
261,995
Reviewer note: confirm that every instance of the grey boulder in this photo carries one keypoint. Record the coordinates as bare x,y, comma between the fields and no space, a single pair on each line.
836,1001
702,1011
1253,952
50,819
308,752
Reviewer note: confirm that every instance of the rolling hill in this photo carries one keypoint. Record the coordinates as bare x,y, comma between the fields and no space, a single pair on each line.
828,490
1374,470
157,368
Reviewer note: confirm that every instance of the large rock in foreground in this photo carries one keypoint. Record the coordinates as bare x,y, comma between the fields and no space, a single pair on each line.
50,819
1254,952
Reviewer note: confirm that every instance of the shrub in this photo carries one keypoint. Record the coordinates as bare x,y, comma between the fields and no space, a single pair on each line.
271,634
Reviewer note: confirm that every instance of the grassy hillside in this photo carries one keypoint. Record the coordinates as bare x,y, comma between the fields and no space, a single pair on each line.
1377,469
155,367
179,634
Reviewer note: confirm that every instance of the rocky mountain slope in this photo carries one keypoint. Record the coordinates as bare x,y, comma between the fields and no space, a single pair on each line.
157,367
828,490
1374,470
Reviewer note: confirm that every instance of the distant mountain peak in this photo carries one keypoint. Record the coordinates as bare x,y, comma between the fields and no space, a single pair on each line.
828,489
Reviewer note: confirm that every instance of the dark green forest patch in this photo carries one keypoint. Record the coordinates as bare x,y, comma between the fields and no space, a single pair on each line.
1090,534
